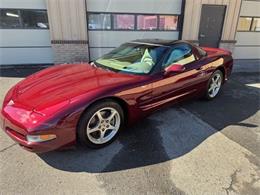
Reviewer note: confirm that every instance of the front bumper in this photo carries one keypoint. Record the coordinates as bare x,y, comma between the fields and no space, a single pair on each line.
29,146
18,134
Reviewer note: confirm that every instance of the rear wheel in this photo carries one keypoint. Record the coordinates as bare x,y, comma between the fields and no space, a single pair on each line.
100,124
214,85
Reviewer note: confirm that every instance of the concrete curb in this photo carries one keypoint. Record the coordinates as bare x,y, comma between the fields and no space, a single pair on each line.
247,66
25,66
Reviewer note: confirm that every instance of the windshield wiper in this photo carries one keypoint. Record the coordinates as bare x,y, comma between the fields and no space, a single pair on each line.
93,64
101,67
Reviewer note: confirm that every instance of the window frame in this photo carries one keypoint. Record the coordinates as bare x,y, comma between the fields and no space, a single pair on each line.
251,24
249,29
135,25
21,19
178,22
113,24
157,23
39,10
99,29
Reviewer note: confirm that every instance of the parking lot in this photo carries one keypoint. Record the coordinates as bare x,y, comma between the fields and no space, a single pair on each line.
196,147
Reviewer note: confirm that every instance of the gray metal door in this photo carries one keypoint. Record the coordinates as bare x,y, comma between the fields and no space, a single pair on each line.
211,25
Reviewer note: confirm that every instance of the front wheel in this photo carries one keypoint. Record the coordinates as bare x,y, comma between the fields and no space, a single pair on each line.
214,85
100,124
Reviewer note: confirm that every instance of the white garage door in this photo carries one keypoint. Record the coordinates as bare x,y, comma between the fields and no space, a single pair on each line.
24,32
113,22
248,35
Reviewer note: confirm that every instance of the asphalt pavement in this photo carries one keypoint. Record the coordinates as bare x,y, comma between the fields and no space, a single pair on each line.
196,147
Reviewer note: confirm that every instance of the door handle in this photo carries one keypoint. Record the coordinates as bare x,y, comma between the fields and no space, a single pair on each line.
201,72
200,68
202,36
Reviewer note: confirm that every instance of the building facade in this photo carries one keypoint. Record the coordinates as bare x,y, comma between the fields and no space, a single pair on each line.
64,31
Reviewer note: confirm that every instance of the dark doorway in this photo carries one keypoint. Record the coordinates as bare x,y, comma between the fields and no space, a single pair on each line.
211,25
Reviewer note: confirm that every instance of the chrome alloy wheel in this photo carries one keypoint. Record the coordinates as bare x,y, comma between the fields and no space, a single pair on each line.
103,125
215,85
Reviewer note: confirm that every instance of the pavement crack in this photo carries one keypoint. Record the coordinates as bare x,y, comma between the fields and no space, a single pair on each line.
233,181
6,148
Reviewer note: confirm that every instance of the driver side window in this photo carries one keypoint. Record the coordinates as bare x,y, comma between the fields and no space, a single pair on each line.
181,54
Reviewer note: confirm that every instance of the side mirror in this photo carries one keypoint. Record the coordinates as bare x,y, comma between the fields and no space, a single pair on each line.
174,68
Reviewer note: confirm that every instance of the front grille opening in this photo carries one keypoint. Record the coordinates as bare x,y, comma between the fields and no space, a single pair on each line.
15,133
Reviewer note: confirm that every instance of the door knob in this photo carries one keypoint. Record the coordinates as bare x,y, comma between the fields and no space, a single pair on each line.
202,35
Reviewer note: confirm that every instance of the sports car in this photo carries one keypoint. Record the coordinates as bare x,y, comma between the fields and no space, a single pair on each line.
91,103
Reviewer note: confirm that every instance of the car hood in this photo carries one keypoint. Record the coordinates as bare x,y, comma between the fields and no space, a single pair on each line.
56,85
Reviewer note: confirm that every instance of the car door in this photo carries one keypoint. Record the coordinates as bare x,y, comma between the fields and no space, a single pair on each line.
171,87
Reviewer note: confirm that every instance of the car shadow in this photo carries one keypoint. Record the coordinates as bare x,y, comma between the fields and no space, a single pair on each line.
139,145
235,103
167,134
238,101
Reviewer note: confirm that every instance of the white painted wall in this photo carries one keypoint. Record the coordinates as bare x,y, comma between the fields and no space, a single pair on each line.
25,46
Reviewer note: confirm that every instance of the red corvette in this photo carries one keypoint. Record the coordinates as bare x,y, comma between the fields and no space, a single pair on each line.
91,103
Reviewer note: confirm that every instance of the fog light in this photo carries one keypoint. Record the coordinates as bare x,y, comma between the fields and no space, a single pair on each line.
40,138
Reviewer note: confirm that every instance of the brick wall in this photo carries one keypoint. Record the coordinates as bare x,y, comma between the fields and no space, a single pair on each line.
70,53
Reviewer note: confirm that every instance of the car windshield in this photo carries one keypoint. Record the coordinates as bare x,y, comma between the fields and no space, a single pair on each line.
132,58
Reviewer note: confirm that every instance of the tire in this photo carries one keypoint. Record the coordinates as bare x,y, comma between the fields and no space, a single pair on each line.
100,124
214,88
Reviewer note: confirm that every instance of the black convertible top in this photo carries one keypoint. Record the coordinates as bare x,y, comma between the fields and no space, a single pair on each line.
161,42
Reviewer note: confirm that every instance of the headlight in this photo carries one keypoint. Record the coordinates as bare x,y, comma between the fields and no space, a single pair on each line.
8,96
40,138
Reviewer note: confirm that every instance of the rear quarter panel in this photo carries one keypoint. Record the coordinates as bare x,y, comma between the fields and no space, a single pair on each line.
228,65
219,59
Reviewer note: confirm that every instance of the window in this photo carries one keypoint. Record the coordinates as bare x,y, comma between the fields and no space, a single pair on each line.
23,19
182,54
249,24
256,24
35,19
168,22
10,18
132,22
99,21
244,24
124,21
146,22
